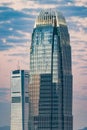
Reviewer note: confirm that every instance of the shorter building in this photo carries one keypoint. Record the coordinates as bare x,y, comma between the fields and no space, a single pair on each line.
19,99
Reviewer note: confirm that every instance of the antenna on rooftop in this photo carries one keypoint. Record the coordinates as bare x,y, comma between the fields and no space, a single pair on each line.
18,65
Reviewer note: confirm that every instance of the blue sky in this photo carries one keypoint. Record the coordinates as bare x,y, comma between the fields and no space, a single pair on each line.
17,19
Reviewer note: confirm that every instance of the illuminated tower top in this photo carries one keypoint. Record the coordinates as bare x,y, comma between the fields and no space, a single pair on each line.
50,17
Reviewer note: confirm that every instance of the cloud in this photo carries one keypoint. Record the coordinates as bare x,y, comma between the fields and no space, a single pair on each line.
42,3
80,37
83,97
85,67
49,2
14,23
4,46
18,54
84,87
80,2
78,23
19,4
73,10
84,128
14,27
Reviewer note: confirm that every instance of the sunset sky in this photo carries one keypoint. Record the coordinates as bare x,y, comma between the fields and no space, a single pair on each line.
17,18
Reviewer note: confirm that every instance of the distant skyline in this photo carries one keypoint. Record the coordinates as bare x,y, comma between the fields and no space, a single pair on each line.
16,25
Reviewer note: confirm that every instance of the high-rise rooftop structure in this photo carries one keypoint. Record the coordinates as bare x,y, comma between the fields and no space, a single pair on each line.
50,87
19,100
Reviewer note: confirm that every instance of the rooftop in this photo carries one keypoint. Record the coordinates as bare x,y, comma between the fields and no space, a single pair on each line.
50,17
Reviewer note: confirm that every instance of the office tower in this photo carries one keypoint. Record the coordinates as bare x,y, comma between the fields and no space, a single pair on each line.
19,100
50,87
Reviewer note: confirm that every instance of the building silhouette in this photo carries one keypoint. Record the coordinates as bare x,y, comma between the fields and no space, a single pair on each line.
50,85
19,100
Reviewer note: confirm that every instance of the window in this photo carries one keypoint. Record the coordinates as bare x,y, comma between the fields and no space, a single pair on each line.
16,99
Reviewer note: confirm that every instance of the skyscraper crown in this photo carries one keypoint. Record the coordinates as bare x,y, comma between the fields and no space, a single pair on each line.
50,17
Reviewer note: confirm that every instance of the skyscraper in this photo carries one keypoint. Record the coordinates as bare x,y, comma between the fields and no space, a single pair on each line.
19,100
50,87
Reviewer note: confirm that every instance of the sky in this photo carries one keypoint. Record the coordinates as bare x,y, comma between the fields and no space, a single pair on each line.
17,18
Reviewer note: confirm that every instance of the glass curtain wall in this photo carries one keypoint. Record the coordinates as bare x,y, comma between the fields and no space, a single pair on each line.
50,87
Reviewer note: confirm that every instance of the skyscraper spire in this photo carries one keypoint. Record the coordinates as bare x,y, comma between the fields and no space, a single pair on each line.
18,65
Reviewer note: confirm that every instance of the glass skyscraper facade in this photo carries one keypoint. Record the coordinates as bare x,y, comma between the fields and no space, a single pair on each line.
19,100
50,85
